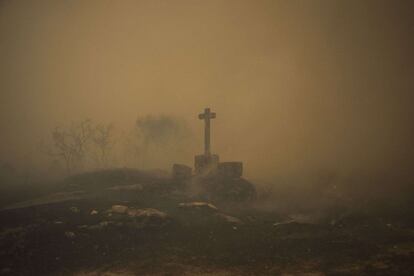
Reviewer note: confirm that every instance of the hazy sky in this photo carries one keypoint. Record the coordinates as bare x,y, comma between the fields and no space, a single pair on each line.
297,85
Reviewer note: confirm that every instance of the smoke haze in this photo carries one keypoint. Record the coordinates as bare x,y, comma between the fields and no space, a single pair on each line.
298,86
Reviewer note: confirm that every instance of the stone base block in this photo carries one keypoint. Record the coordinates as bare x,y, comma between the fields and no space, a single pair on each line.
205,163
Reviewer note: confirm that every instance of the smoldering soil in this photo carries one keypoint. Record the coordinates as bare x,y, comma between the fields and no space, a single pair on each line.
67,227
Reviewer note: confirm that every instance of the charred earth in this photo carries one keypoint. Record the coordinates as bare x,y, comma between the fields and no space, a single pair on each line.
129,222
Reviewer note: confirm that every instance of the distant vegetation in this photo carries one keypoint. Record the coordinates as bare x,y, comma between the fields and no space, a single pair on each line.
153,141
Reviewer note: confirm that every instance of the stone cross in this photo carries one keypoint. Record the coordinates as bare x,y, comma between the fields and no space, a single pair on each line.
206,116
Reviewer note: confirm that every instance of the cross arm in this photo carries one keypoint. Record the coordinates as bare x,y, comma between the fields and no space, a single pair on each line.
203,116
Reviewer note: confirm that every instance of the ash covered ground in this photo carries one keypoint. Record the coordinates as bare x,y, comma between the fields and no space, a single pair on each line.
129,222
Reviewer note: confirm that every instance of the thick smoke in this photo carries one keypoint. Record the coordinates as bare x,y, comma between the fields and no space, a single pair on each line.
310,95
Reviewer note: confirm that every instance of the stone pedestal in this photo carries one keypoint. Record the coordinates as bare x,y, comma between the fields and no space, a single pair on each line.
205,163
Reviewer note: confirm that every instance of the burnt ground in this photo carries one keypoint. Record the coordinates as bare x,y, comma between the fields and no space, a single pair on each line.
73,233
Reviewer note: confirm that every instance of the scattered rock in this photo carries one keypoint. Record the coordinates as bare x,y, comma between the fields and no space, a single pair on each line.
70,235
149,217
198,205
133,212
119,209
284,222
147,212
105,223
307,219
230,219
82,226
101,225
74,209
136,218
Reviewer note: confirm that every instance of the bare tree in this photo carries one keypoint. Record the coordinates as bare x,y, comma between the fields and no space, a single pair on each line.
70,144
103,139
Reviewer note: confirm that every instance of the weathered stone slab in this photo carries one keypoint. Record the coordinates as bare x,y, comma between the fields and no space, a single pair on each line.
205,163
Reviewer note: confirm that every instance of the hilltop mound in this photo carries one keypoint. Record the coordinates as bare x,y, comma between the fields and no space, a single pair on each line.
112,177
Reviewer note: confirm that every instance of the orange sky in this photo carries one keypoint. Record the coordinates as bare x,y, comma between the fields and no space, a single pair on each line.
296,85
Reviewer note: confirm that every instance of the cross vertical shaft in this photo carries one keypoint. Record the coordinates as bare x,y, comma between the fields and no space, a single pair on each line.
207,137
206,116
